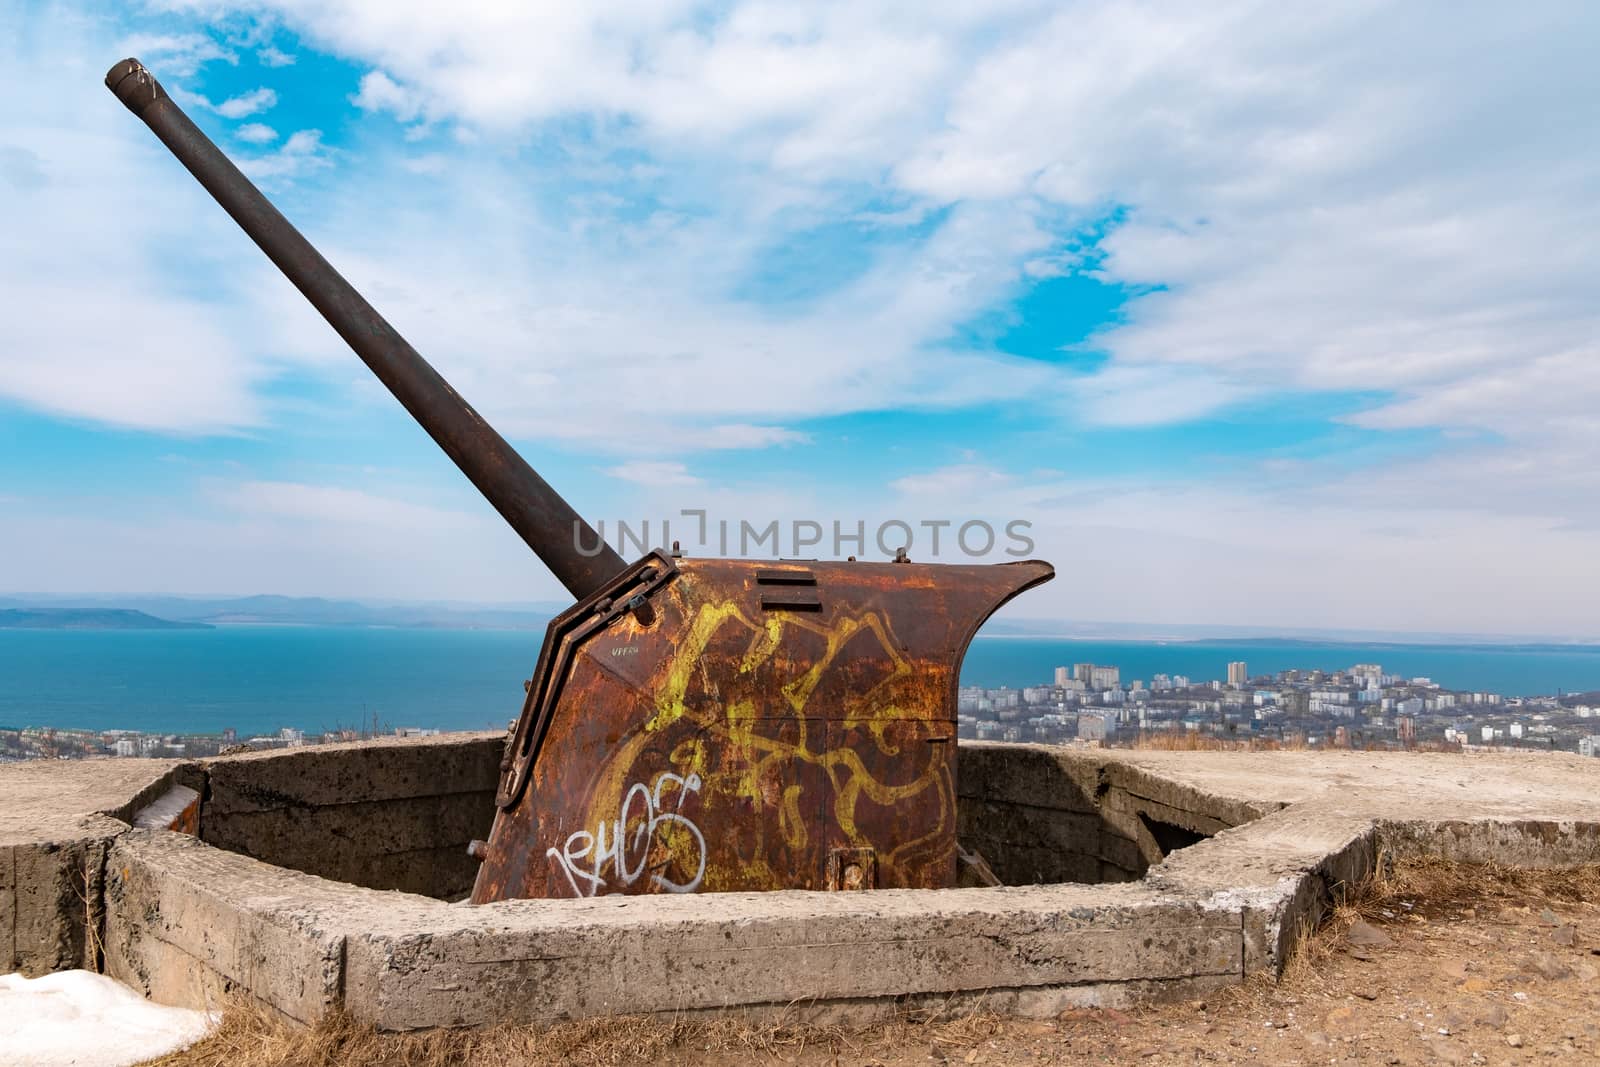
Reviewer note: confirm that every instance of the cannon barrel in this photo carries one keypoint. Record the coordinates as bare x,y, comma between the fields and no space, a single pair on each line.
535,511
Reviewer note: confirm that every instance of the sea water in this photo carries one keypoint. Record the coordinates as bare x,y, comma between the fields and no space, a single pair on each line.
257,679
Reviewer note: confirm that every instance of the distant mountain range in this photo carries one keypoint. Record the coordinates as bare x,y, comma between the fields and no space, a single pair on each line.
1213,633
108,611
88,619
152,611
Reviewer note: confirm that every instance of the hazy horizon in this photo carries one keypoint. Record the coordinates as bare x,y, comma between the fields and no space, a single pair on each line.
1003,624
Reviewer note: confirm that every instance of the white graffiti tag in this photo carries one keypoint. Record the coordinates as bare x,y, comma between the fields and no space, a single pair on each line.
625,843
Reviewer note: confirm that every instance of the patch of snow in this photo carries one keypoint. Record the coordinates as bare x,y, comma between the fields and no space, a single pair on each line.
83,1019
161,813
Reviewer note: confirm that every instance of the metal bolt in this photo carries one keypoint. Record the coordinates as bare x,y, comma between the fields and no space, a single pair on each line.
642,610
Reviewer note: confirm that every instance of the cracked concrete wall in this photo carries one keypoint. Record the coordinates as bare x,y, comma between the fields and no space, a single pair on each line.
49,901
383,815
1040,815
188,924
1519,843
834,951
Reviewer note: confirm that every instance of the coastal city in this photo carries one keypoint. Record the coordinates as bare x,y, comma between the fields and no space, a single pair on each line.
56,743
1087,704
1362,707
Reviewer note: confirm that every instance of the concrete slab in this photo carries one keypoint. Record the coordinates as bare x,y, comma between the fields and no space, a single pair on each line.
66,800
186,923
53,835
564,959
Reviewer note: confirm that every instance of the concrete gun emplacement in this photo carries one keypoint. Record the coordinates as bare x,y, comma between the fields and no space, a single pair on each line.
691,725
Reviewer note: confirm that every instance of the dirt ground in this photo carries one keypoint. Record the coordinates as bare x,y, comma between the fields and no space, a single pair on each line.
1431,964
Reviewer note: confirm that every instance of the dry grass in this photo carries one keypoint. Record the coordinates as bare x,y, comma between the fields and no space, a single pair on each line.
1435,885
1196,741
1199,741
1421,887
1189,741
1399,894
253,1036
93,950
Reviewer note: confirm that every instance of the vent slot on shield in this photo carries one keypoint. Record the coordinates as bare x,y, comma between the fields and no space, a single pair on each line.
788,589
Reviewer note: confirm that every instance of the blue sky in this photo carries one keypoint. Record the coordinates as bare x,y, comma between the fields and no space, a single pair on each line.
1256,316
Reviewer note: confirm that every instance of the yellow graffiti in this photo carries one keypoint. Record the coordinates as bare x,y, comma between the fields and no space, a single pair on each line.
791,824
681,670
754,761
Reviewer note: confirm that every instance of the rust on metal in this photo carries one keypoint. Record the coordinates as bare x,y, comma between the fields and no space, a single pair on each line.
734,746
852,868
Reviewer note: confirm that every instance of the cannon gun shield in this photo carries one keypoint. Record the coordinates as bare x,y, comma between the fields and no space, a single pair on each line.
765,726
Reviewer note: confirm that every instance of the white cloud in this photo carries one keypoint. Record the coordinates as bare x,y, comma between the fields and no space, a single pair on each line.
301,153
256,133
647,331
957,482
744,435
90,331
325,504
759,65
1345,555
1318,193
1124,395
379,92
1314,214
1321,218
236,107
654,473
274,57
296,541
137,359
246,104
429,163
671,347
176,55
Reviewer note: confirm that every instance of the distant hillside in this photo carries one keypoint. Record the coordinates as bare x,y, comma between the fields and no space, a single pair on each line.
88,619
1285,636
297,611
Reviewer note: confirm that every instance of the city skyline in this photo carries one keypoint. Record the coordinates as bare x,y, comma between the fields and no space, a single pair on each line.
1362,706
1311,347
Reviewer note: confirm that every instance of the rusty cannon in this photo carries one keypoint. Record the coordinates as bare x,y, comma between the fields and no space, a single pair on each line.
691,725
